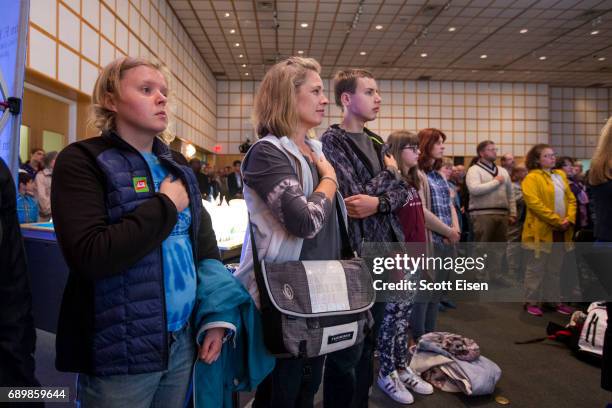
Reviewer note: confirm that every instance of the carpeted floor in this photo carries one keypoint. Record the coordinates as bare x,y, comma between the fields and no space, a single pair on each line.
539,375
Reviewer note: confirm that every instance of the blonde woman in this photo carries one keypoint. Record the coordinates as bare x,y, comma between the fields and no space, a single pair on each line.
600,182
129,220
549,222
290,192
600,185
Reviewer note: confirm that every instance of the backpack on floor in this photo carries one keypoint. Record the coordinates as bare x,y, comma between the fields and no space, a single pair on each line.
584,334
593,330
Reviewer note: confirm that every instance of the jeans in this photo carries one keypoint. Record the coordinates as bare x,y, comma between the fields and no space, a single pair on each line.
340,376
542,276
292,384
423,318
163,389
365,368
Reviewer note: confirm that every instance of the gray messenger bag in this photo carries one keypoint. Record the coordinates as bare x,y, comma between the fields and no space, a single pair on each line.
311,308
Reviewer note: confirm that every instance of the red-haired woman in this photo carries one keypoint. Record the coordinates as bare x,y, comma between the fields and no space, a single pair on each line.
441,223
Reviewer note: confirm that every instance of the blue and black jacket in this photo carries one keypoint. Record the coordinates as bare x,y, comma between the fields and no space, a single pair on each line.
110,224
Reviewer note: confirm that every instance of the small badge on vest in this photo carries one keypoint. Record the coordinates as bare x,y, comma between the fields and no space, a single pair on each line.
140,184
337,338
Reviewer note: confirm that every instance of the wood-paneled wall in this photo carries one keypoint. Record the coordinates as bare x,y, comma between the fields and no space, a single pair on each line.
223,160
43,113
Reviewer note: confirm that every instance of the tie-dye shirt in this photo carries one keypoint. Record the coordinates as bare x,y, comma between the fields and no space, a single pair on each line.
178,263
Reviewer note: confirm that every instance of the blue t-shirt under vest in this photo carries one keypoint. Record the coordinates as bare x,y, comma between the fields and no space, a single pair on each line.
178,263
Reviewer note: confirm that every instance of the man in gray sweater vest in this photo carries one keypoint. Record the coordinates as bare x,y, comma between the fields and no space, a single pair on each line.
492,206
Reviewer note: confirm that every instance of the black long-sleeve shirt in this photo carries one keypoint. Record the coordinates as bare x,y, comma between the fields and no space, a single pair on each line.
602,203
89,243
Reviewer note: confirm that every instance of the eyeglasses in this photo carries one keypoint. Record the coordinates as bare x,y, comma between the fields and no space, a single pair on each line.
415,149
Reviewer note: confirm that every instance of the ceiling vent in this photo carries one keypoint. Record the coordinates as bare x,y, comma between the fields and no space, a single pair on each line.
265,6
588,15
596,85
424,78
218,73
431,9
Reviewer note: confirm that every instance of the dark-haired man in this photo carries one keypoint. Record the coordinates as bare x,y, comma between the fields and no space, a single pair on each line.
492,206
234,181
35,164
372,186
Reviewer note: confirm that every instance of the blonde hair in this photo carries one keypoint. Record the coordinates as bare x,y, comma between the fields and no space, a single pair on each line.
109,84
601,164
447,163
275,108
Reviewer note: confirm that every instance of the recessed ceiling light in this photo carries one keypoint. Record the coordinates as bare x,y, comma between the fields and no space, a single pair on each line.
542,58
523,31
227,14
483,56
594,32
236,44
379,27
474,70
501,72
362,53
232,31
243,65
424,54
246,74
304,25
300,52
451,29
601,59
240,56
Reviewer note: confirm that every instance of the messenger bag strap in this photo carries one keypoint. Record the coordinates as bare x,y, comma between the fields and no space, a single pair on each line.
264,299
347,251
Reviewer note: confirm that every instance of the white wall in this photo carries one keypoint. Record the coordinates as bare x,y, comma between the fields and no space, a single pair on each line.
70,40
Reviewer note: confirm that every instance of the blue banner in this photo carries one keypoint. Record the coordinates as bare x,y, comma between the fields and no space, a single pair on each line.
13,33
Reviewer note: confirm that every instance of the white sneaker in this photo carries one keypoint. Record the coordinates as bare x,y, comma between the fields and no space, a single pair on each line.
394,388
414,382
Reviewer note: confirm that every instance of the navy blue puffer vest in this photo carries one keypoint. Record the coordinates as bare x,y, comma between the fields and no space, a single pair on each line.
130,335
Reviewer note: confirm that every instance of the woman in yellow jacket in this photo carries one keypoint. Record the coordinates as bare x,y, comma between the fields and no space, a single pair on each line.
551,214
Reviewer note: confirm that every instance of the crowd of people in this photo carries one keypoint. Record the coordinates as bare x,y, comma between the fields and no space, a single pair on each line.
143,299
34,187
220,184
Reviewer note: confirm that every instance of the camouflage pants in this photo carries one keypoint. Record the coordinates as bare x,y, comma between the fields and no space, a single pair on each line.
393,337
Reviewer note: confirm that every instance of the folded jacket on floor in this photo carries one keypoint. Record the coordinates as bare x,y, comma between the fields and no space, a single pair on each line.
476,377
